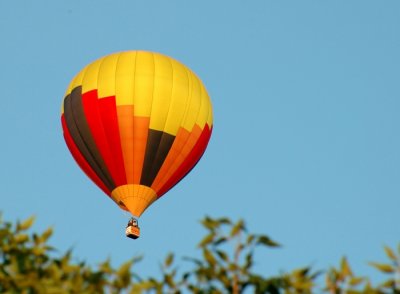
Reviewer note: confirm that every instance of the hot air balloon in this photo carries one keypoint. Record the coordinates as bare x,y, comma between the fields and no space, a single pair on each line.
136,123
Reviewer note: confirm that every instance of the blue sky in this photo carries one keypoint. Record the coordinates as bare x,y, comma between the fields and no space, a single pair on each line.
305,145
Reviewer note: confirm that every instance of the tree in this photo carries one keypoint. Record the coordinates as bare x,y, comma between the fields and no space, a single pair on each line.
226,266
27,266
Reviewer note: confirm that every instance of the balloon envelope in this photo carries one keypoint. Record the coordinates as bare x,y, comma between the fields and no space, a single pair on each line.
136,123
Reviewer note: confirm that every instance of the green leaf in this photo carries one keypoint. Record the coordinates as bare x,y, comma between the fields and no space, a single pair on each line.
220,241
169,259
186,276
250,239
26,224
206,240
345,269
21,238
125,267
356,281
224,279
106,267
386,268
237,228
35,238
209,223
224,221
46,235
124,273
389,252
266,241
38,251
249,261
169,280
209,257
233,267
301,272
389,284
222,255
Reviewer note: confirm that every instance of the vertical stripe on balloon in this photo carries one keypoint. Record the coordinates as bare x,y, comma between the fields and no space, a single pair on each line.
80,159
189,162
80,133
158,146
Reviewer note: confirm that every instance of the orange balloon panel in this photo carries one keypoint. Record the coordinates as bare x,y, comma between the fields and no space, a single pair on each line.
136,123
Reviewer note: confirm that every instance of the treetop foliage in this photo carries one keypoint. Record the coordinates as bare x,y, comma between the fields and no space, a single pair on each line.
28,265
